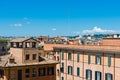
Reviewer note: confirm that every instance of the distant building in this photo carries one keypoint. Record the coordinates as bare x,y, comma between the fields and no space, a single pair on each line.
111,41
26,62
43,38
74,41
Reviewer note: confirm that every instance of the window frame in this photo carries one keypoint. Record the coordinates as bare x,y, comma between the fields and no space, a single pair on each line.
34,72
69,55
42,71
34,56
50,71
108,74
88,74
78,57
89,58
27,56
78,71
34,44
109,60
96,75
70,70
27,73
62,55
62,67
98,59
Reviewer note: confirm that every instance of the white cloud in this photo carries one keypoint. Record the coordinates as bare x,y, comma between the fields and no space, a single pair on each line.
16,25
54,29
98,30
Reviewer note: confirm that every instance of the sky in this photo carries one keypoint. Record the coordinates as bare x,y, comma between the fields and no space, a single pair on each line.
58,17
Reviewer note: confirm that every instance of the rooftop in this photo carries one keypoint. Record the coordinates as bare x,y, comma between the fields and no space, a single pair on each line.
4,62
83,47
21,39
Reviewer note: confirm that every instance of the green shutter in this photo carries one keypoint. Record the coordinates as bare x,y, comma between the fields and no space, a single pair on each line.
78,57
109,61
71,70
89,58
90,75
86,74
78,71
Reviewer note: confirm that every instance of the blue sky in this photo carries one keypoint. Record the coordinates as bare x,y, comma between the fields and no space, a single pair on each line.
58,17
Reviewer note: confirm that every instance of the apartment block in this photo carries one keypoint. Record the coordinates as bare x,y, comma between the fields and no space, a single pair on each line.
26,62
86,62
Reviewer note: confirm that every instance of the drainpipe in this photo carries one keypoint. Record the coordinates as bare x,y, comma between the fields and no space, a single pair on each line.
83,66
60,64
103,67
73,65
114,66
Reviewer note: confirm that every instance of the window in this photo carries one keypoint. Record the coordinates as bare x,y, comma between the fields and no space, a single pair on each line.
78,71
98,59
50,71
42,71
62,67
108,76
89,58
62,55
69,56
27,57
1,73
62,78
14,45
88,74
27,73
27,44
20,45
34,72
109,60
58,72
47,55
57,58
34,56
97,75
70,70
78,57
33,44
3,48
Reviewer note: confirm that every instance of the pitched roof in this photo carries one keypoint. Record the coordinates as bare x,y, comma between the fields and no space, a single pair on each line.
5,62
21,39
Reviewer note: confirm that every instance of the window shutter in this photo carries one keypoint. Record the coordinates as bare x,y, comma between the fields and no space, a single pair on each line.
95,75
100,60
68,69
90,75
71,70
86,74
109,61
89,58
105,76
100,76
111,77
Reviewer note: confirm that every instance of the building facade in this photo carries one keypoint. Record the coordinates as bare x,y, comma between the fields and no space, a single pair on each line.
26,62
87,62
